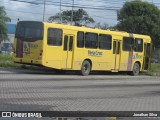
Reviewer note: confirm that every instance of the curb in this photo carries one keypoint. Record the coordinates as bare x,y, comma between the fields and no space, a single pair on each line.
151,73
154,74
39,70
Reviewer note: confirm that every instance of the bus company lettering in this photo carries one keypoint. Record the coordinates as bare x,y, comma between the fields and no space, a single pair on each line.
95,53
136,56
28,46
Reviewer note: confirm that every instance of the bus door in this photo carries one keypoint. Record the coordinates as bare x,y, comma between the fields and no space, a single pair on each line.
68,51
147,56
116,53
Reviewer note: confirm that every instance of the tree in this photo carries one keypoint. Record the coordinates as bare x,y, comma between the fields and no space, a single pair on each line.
141,18
3,19
103,26
80,17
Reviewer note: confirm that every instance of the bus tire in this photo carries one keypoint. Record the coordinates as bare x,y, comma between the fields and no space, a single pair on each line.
86,68
136,69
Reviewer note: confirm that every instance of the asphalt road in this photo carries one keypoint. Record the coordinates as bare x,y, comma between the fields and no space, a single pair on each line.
25,90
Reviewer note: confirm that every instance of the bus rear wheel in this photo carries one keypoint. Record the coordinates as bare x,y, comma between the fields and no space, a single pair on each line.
86,68
136,69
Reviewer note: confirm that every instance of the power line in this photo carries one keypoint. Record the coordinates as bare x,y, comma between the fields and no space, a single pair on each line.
70,5
65,4
81,4
30,12
97,8
23,11
42,13
26,2
57,5
76,5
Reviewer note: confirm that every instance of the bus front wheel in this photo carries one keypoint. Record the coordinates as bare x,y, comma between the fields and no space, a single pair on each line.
136,69
86,68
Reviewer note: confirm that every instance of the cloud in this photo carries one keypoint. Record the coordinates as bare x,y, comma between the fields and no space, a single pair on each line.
17,10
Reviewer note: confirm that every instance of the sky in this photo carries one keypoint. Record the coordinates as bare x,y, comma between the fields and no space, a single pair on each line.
104,11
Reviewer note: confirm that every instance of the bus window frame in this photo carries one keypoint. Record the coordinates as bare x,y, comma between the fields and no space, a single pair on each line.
61,42
135,45
107,42
131,45
96,40
83,39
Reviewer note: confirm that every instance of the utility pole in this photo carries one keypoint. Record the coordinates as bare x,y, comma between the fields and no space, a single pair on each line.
60,13
72,11
44,9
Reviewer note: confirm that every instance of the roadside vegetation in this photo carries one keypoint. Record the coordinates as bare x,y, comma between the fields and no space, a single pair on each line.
3,19
155,67
7,61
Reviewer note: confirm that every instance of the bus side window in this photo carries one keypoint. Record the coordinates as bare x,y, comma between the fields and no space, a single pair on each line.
138,45
65,42
80,39
105,42
71,43
54,37
91,40
128,43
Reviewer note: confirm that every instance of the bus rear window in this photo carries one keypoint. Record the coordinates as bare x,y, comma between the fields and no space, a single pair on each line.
29,30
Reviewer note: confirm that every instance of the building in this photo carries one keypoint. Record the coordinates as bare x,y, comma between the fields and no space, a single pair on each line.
11,28
7,46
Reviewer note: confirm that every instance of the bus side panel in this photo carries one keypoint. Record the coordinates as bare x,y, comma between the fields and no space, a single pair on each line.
100,59
78,58
103,61
52,55
126,62
129,58
68,49
138,57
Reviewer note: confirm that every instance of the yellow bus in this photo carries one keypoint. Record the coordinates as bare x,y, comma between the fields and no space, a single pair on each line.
65,47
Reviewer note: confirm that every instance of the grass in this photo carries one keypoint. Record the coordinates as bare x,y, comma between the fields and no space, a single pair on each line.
7,61
155,67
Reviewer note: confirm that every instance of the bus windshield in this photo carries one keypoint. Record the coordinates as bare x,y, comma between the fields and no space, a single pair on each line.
27,30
